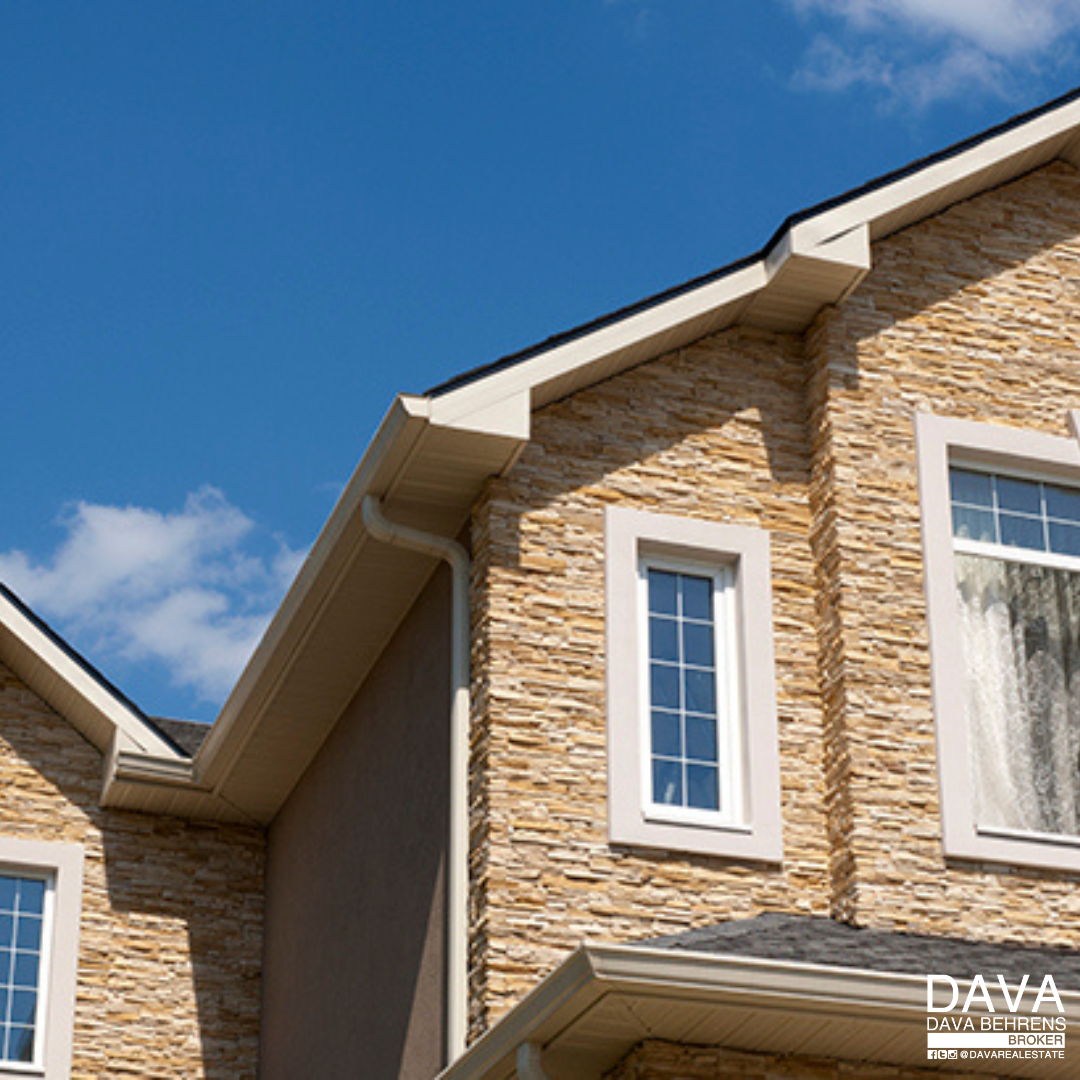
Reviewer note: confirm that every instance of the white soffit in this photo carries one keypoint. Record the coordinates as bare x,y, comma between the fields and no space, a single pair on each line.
605,999
347,601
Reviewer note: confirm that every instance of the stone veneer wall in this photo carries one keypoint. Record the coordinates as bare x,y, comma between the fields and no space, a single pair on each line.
171,925
716,431
975,314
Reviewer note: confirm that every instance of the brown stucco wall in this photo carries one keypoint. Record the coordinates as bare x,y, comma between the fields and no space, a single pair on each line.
717,431
974,314
355,896
171,924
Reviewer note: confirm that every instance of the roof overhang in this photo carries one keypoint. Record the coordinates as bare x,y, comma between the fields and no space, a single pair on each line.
605,999
433,454
62,678
345,604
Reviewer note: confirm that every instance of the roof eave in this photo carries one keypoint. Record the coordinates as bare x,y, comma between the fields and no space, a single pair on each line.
605,999
432,455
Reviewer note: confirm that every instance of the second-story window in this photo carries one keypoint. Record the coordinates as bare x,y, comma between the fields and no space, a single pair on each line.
690,730
693,754
23,911
1016,544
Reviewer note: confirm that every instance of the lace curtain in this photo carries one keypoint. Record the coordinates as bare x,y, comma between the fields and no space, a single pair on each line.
1021,632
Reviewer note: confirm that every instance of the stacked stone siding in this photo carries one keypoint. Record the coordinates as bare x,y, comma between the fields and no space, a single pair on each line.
171,923
717,431
974,313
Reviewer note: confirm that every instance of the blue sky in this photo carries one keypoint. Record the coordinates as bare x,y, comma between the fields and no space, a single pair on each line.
232,231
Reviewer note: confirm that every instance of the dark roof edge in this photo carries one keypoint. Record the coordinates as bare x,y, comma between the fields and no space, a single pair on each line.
86,666
567,336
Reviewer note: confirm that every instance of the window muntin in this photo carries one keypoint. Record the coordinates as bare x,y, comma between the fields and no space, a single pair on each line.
689,698
1014,512
25,908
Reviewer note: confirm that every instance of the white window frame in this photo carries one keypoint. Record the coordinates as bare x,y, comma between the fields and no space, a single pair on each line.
61,865
942,443
738,555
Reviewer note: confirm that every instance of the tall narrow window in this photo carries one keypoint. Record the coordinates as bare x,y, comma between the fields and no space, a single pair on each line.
1017,557
693,760
691,689
24,906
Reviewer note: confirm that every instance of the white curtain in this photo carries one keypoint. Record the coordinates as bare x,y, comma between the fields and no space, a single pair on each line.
1021,632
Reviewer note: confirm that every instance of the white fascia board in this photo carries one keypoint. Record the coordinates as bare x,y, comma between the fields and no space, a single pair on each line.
383,469
522,378
995,151
592,971
121,719
398,433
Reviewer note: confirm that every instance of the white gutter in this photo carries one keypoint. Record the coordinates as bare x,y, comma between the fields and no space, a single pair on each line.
457,858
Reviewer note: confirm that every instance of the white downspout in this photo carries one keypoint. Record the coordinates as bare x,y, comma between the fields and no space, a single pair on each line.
457,857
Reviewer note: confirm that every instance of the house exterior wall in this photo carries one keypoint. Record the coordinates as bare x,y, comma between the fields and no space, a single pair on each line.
971,314
718,432
354,960
172,912
975,315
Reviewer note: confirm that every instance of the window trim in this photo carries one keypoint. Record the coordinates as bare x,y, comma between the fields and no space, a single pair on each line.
634,536
941,443
62,865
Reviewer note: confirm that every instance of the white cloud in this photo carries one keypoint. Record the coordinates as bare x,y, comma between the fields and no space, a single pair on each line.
921,51
192,589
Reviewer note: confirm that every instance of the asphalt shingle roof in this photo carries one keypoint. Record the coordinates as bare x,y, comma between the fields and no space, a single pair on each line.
813,939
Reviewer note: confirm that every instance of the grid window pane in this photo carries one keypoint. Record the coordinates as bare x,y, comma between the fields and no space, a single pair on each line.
971,524
664,639
665,686
666,734
696,597
23,1006
701,738
700,691
1019,496
31,895
667,782
1024,532
702,782
9,888
28,934
663,592
20,1044
973,488
26,969
1064,539
698,647
1062,503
